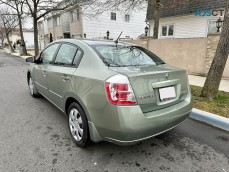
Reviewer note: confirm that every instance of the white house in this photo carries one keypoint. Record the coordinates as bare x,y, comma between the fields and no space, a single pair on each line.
187,19
76,22
132,24
28,37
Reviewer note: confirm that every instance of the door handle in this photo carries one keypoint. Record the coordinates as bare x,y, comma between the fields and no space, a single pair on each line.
65,78
45,73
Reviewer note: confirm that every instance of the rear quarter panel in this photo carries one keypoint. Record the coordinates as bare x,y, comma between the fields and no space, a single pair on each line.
87,84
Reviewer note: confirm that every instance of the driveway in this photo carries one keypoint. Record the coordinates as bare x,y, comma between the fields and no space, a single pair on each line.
34,137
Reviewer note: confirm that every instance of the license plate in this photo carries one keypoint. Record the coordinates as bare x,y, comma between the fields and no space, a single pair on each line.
167,93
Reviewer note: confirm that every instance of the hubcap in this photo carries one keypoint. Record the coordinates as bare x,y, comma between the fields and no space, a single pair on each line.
31,85
76,124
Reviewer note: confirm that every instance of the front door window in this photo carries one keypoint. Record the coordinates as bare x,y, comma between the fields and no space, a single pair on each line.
48,54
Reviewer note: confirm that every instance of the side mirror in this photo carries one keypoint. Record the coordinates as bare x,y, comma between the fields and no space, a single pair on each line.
38,59
30,59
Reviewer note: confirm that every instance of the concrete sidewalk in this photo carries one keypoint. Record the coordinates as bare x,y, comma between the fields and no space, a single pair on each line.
199,81
16,53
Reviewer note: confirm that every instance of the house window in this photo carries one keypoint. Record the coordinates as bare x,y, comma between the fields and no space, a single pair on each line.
50,23
113,16
75,15
212,27
127,18
57,21
167,30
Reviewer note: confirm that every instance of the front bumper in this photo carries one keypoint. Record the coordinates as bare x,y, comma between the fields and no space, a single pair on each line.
131,125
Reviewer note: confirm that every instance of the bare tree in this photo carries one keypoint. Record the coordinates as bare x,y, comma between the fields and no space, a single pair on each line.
18,6
156,6
211,86
9,21
40,8
2,34
97,7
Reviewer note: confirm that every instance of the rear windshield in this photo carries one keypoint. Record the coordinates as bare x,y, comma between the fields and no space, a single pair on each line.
123,55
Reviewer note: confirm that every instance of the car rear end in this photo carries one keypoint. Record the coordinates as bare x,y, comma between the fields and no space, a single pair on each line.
155,105
145,96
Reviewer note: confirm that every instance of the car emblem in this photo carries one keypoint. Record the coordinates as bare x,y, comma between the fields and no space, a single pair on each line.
167,76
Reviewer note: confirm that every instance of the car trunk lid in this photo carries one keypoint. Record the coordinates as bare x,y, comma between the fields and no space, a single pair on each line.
156,87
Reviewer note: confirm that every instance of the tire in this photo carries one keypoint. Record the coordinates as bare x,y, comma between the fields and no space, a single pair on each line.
32,89
78,125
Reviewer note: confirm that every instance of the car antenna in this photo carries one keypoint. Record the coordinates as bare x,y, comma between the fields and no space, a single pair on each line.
116,41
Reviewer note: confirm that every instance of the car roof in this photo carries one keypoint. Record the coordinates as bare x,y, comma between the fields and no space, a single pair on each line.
99,42
91,42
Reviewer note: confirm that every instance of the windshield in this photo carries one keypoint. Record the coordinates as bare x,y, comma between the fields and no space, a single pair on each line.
124,55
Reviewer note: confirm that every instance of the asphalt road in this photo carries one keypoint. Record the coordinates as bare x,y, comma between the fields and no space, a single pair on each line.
34,137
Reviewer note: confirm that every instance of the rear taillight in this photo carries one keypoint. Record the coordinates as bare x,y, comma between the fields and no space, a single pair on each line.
119,91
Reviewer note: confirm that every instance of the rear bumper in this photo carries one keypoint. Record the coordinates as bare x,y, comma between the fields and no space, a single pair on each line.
126,143
134,125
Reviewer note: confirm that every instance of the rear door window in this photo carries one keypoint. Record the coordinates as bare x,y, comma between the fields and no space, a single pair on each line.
66,54
78,57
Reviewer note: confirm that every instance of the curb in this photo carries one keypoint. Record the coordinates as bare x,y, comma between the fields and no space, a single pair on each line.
16,53
211,119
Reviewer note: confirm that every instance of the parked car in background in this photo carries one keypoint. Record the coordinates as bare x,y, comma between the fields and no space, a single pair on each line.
115,92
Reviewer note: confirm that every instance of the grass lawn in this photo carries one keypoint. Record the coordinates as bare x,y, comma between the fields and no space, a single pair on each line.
219,106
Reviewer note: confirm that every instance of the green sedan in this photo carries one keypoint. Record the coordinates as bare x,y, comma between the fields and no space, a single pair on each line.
110,91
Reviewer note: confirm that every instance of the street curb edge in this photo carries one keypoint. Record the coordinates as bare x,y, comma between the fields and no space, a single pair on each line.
209,118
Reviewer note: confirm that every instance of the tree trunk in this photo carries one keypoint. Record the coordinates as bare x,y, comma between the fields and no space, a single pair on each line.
2,42
156,21
215,73
155,5
8,40
36,46
23,46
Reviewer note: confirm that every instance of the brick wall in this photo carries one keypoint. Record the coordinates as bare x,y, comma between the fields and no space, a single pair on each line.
76,28
56,32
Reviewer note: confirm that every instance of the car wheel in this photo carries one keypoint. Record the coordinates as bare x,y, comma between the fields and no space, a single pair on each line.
78,125
32,88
